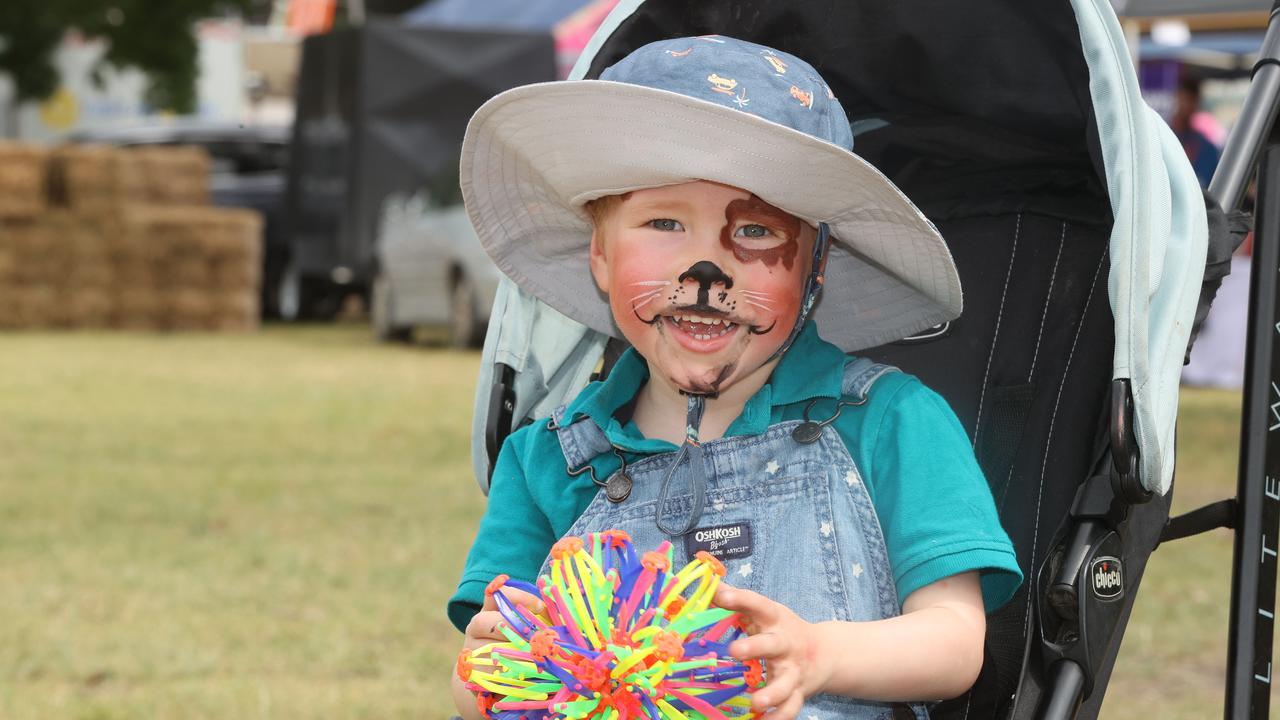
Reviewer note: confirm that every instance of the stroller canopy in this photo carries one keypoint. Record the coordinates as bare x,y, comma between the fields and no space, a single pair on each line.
942,115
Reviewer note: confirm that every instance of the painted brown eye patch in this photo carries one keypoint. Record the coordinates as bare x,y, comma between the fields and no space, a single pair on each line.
753,210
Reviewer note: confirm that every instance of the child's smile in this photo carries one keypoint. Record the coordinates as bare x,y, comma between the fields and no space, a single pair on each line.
702,279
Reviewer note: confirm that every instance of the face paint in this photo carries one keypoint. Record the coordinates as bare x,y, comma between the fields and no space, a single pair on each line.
704,308
653,290
753,210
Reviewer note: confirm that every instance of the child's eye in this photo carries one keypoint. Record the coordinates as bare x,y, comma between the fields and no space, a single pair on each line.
666,225
753,231
759,237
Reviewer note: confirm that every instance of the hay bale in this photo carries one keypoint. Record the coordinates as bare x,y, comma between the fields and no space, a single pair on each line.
131,176
235,312
78,240
33,307
155,235
88,307
188,309
10,253
24,173
6,307
138,308
134,248
85,178
166,232
174,175
235,249
7,266
129,274
185,273
231,234
37,256
181,238
92,276
235,276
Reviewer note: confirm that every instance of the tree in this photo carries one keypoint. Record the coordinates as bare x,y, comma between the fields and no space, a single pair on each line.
29,34
154,36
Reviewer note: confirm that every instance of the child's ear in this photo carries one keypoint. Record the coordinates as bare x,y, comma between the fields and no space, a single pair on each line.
599,264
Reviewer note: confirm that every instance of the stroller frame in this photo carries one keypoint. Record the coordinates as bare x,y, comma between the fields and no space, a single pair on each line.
1254,513
1070,629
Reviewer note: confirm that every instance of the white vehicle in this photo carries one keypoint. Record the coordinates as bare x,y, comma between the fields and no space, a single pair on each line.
432,272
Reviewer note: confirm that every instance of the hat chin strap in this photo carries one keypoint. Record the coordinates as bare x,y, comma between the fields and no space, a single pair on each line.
812,287
688,462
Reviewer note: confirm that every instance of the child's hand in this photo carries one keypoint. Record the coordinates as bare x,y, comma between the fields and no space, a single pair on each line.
483,628
787,644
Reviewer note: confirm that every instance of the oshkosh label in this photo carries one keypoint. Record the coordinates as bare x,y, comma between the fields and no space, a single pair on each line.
1108,578
726,542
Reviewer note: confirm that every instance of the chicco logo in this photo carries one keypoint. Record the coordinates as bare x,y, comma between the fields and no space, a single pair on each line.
1108,579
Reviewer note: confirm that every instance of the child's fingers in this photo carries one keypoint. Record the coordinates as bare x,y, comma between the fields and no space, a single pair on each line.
783,682
763,610
765,645
520,597
489,602
788,710
484,626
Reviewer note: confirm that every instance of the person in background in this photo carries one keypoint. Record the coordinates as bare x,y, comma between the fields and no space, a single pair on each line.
1202,151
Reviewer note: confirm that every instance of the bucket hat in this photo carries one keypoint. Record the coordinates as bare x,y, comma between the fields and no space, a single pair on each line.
700,108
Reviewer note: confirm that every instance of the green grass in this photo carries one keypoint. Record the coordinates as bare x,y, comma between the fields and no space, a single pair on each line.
206,527
267,526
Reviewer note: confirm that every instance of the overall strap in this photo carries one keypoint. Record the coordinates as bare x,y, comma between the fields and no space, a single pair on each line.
860,374
581,440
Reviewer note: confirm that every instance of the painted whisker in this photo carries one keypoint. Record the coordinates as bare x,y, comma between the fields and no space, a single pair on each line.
762,306
646,301
651,283
646,296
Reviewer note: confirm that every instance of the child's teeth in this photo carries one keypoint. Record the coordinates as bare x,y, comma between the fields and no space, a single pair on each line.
721,325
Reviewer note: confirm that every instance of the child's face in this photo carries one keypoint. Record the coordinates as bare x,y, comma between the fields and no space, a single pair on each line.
703,279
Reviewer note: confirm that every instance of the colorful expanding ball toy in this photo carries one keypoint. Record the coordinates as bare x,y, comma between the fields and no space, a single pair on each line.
621,638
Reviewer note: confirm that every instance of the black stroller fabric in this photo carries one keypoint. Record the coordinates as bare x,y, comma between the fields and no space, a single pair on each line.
990,131
988,105
1027,369
1226,232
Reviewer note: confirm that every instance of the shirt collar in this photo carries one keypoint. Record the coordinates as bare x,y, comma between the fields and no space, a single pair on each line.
810,368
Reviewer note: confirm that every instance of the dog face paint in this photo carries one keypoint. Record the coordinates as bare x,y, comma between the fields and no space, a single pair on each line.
786,227
702,280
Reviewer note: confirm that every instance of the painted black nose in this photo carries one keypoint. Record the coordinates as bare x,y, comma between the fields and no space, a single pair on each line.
706,274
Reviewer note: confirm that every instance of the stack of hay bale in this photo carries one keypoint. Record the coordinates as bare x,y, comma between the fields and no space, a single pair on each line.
93,236
24,291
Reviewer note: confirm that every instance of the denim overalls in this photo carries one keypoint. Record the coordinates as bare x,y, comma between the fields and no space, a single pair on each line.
791,520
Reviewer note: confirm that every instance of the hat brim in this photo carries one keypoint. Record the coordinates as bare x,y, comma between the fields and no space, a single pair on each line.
534,155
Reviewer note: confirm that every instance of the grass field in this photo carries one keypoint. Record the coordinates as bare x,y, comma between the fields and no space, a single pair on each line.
267,526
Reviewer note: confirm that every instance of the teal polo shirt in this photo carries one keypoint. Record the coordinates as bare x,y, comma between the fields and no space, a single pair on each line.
935,507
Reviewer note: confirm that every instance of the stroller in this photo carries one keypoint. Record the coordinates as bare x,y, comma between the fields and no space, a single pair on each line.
1087,253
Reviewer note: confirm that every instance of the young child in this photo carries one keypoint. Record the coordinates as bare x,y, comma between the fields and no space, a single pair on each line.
695,200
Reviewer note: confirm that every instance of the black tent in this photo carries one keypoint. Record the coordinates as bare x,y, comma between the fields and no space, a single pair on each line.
382,108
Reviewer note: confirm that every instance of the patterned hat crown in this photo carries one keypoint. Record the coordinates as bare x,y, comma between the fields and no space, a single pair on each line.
737,74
